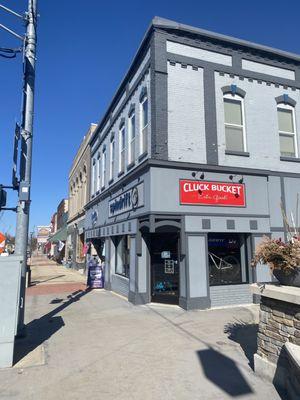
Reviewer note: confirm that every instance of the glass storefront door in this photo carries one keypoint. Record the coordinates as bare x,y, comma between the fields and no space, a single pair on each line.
164,267
227,259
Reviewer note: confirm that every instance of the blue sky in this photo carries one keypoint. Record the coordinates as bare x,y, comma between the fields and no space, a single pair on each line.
84,49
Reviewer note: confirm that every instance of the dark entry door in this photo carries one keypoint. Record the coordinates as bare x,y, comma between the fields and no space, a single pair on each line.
165,267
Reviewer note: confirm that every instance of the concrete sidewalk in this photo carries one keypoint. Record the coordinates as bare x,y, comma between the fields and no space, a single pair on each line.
50,277
96,345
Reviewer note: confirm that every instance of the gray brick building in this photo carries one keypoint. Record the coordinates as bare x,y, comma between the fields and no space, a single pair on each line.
191,165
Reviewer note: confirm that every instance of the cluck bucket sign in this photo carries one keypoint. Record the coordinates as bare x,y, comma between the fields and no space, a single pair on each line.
212,193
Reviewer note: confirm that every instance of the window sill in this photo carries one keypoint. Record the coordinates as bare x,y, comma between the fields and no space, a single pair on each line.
237,153
121,276
120,174
130,166
143,155
291,159
110,181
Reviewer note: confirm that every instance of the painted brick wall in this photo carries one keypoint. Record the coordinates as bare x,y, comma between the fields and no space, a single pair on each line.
261,125
230,295
134,99
186,126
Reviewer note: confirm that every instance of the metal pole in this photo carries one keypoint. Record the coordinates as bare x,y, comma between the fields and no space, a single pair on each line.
26,154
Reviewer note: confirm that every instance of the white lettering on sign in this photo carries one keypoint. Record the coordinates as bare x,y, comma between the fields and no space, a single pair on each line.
127,201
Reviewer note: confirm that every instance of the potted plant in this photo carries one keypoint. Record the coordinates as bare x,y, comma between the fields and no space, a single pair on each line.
283,258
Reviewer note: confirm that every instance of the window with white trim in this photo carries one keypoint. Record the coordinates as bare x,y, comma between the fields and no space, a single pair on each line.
122,148
144,124
112,159
103,169
98,172
131,138
287,130
94,176
235,133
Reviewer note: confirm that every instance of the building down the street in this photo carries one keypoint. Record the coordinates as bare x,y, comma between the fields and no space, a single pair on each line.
79,194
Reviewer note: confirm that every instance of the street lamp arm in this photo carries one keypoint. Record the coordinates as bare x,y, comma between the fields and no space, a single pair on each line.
12,32
12,12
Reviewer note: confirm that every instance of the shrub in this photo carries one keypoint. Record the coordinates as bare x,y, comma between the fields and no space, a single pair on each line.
277,254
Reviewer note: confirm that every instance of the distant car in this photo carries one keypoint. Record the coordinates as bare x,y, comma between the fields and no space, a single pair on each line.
4,254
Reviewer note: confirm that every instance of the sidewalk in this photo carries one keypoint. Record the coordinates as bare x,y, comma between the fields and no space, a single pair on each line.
50,277
96,345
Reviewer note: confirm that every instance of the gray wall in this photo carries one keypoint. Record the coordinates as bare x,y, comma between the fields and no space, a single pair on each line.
261,124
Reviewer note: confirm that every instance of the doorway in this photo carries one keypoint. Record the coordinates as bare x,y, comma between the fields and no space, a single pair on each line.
164,251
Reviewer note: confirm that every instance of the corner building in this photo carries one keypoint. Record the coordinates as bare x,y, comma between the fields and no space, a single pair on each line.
192,164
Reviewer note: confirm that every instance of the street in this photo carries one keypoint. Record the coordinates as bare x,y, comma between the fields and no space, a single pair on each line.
95,344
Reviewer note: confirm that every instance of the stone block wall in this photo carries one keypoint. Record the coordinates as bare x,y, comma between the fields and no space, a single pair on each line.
279,322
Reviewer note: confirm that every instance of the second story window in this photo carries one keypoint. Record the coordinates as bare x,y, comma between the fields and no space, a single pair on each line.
112,159
122,148
131,138
235,134
103,169
287,130
144,124
98,172
94,177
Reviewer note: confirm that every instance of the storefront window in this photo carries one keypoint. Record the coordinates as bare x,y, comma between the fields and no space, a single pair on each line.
123,256
226,257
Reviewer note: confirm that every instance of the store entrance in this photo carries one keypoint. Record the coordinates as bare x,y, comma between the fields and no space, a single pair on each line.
164,267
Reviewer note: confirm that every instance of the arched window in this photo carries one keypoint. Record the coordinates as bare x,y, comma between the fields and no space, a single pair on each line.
144,121
235,132
287,130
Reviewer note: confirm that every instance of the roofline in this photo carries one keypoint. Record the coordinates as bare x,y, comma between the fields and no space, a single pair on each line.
163,23
122,85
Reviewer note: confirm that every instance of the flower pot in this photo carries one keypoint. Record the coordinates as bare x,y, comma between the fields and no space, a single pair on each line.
292,279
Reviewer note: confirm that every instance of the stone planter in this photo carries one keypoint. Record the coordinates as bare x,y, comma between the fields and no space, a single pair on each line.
292,279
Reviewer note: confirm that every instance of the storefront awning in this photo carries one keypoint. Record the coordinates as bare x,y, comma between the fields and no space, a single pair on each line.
60,235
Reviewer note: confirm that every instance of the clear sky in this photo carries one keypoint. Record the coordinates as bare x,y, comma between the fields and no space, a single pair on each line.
84,49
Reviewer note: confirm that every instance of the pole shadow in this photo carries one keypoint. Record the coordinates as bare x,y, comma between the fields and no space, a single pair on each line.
223,372
41,329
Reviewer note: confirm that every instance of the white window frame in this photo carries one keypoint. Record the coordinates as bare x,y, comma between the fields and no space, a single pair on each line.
98,169
131,138
94,174
112,150
143,148
122,150
238,99
103,168
291,134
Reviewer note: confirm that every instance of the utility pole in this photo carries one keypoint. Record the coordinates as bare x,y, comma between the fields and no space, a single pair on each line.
26,136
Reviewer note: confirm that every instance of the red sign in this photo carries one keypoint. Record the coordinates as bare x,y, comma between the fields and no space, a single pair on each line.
212,193
2,242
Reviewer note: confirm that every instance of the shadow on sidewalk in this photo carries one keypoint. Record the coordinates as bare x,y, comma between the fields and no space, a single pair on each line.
245,334
41,329
223,372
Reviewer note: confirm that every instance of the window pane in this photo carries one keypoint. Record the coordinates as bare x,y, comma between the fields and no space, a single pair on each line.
287,146
233,112
145,112
225,261
285,120
132,127
234,138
